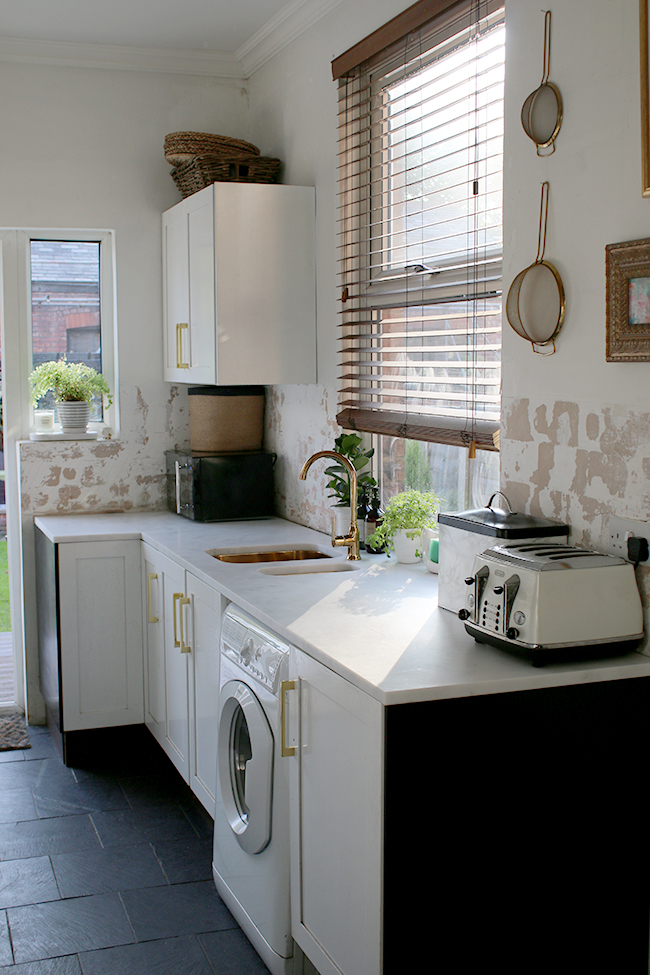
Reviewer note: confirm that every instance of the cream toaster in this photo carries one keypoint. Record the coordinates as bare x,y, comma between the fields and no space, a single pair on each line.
548,599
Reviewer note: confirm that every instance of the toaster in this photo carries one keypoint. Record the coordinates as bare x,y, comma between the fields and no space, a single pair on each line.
549,599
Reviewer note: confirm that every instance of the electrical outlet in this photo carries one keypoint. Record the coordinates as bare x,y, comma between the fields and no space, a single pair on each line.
620,529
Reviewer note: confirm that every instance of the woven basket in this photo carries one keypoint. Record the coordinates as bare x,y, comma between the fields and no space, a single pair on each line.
207,168
181,147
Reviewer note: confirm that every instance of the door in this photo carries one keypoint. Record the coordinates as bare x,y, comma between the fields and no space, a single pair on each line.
101,634
188,290
245,763
336,785
167,653
206,606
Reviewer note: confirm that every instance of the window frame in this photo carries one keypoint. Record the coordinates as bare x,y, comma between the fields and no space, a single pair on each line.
17,249
412,289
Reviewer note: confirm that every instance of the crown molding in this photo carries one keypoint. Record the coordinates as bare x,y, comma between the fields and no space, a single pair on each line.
295,19
213,64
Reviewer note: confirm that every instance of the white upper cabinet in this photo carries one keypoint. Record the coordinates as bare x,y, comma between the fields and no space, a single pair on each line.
239,295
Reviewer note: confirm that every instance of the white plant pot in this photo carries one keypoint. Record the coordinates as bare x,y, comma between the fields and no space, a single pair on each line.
405,547
74,416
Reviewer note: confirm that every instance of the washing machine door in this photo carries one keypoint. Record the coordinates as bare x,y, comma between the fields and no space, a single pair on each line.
245,749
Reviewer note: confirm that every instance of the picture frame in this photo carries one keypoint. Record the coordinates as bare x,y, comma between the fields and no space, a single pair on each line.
645,96
627,268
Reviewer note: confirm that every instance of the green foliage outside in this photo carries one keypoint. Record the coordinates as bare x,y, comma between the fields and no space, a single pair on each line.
417,473
5,619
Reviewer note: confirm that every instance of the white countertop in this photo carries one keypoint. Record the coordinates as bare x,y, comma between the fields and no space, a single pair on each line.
378,625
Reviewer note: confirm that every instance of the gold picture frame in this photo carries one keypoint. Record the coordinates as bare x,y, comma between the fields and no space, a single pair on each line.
645,100
628,301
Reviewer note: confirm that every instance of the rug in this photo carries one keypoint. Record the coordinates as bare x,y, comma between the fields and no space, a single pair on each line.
13,733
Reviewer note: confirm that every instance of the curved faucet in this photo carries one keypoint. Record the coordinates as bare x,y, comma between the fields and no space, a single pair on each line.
352,537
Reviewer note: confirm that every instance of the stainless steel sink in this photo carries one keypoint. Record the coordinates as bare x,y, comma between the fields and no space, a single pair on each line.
287,554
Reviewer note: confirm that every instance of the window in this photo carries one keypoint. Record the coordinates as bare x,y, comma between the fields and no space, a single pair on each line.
420,180
66,307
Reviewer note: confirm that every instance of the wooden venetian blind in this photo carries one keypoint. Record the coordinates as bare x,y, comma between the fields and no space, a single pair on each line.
420,222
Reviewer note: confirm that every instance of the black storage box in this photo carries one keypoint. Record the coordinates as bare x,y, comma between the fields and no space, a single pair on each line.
220,487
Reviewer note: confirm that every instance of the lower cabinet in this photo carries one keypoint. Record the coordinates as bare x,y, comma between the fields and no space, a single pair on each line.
336,828
499,830
182,619
90,633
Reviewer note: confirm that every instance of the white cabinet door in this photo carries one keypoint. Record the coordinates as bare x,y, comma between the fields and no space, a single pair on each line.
336,779
100,619
167,651
188,293
206,605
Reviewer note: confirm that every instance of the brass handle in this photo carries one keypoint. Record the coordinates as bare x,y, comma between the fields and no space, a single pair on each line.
287,685
184,601
177,595
179,345
150,577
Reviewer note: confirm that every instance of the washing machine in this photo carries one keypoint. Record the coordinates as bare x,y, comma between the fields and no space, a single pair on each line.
251,825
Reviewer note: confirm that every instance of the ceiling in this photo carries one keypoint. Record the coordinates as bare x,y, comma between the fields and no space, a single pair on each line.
193,25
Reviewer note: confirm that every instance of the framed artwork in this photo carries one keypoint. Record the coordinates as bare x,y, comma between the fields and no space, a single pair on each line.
645,100
628,301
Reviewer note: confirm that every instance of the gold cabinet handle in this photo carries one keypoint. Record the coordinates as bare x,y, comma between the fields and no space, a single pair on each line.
183,601
177,595
179,345
287,685
150,577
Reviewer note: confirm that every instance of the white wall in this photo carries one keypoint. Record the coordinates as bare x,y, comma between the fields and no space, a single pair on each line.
83,148
576,429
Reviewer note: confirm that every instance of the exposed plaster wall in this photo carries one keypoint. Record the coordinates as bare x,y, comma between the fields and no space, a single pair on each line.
575,442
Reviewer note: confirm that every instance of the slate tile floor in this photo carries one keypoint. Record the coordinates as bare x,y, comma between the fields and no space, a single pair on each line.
105,869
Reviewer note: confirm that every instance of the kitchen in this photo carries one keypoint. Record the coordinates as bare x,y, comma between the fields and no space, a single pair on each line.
574,443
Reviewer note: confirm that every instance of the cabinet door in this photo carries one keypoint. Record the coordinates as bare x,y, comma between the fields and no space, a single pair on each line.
336,779
166,657
101,634
188,290
205,612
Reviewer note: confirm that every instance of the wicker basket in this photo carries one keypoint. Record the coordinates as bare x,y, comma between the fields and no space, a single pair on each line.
181,147
207,168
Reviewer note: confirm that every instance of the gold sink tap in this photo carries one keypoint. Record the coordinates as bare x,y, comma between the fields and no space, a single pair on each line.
351,540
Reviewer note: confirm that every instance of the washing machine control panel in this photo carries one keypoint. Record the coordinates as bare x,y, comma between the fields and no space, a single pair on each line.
254,650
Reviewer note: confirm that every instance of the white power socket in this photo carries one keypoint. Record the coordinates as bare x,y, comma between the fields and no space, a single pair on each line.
620,529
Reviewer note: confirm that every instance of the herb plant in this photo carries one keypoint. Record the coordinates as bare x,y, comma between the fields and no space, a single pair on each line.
349,446
410,511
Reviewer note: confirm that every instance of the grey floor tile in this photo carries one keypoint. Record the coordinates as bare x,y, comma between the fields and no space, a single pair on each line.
163,912
6,957
12,755
132,826
185,860
173,956
231,953
153,790
66,834
42,745
58,797
17,805
68,926
101,871
27,882
66,965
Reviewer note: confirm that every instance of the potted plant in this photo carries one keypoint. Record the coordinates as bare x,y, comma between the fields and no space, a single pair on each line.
349,445
406,516
73,385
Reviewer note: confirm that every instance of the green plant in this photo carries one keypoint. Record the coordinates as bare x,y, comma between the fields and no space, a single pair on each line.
410,511
69,381
349,446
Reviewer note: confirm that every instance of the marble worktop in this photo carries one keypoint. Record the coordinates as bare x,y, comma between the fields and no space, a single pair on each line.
377,625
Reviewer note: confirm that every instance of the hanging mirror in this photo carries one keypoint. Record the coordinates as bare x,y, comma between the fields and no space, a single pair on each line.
535,304
541,115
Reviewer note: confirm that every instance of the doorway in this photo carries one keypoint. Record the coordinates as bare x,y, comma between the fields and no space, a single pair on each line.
7,681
